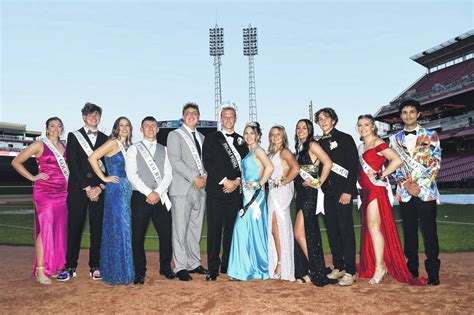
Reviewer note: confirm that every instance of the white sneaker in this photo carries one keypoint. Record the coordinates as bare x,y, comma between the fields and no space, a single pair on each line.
336,274
347,280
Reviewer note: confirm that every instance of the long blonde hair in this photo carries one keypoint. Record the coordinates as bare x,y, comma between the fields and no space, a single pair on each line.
271,147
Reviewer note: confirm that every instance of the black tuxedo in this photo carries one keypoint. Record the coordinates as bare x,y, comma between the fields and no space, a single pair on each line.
81,176
222,208
342,150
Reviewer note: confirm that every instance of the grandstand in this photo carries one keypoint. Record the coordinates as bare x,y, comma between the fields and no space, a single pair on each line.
446,93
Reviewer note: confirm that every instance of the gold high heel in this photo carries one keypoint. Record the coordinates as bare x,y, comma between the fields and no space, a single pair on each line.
41,277
375,280
277,275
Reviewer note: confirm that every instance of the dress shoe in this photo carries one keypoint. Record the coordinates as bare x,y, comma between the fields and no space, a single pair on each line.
381,271
212,277
95,274
223,270
66,274
200,270
168,274
347,280
183,275
41,277
336,274
433,281
139,279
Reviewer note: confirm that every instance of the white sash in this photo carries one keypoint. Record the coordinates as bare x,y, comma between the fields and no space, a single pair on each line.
415,167
367,168
192,146
320,203
59,158
336,168
153,168
86,147
122,148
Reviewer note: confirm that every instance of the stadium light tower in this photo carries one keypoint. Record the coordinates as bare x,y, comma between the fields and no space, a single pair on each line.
216,49
251,50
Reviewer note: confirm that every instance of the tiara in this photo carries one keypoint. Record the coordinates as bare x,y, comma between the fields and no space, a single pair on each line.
252,124
279,126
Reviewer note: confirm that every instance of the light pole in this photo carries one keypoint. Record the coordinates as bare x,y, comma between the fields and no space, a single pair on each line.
216,49
251,50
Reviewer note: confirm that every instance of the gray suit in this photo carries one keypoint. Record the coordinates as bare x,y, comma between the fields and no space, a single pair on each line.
188,202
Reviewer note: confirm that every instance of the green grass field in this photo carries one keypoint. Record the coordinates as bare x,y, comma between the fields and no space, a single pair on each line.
455,228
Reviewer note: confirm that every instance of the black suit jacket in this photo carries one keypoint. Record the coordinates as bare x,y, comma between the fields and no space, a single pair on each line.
345,154
81,173
218,163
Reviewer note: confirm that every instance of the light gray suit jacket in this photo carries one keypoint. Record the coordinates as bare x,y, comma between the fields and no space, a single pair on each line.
184,167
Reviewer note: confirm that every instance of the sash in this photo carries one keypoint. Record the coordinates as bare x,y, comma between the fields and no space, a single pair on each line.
232,153
320,203
59,158
336,168
256,213
86,147
415,168
122,148
367,168
153,168
192,146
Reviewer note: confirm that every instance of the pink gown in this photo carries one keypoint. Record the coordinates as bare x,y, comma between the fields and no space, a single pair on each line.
49,197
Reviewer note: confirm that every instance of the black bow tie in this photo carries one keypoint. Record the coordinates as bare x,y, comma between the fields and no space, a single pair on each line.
90,132
233,135
413,132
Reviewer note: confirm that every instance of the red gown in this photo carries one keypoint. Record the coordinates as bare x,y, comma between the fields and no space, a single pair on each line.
393,253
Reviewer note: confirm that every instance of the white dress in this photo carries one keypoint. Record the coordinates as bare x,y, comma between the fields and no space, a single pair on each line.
279,201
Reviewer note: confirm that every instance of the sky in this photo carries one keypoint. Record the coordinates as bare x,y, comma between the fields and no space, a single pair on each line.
140,58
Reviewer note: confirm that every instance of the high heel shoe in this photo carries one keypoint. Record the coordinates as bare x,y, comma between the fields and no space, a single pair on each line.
277,274
378,280
41,277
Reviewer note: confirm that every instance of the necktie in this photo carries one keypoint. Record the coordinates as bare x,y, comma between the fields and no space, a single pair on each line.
197,143
90,132
413,132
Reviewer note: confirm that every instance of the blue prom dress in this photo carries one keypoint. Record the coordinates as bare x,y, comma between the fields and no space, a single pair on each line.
249,250
116,258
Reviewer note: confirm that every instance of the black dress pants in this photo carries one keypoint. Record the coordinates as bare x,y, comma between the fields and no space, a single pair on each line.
78,203
340,229
161,218
424,212
221,215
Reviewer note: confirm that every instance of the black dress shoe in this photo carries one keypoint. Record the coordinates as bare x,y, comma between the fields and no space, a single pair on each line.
200,270
139,279
434,281
224,270
211,277
183,275
168,274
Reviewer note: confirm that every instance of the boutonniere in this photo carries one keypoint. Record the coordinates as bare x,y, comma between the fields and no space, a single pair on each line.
240,140
332,145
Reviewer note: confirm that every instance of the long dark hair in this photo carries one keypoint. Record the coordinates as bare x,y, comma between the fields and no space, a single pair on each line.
255,126
116,129
309,126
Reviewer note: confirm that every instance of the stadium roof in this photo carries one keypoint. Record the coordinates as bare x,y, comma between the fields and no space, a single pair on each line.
450,50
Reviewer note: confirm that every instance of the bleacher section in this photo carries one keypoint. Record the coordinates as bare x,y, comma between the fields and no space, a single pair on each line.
457,167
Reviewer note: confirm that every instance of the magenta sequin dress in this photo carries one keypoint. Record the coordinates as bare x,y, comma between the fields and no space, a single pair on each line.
49,197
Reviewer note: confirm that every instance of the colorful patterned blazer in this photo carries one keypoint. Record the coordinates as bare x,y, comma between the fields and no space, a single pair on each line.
427,152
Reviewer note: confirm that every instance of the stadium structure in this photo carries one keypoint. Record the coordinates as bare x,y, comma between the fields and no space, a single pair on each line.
446,94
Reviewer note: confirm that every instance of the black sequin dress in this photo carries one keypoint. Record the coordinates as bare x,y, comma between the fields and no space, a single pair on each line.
306,199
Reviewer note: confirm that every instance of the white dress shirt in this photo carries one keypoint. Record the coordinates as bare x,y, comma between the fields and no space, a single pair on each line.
197,135
92,137
138,184
410,140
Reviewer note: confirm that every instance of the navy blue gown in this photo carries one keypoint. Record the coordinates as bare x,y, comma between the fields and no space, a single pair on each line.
116,258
